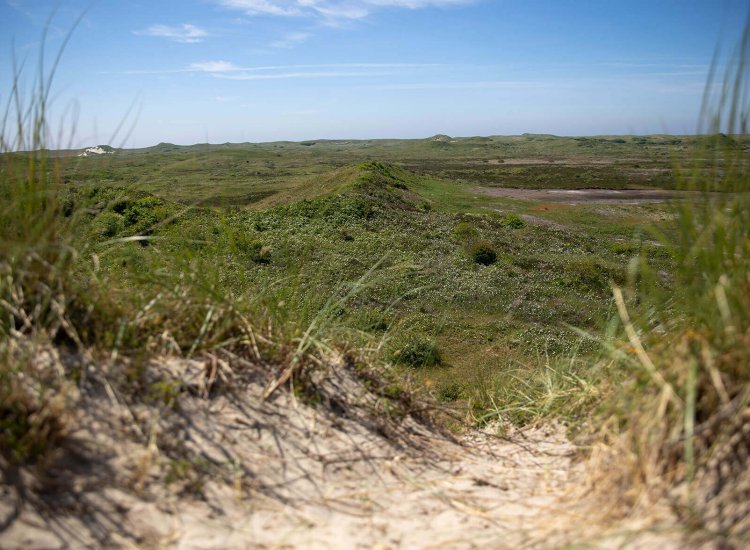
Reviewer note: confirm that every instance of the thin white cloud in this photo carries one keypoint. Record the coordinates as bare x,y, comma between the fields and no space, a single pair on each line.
332,11
226,67
290,40
228,71
212,67
185,33
416,4
660,84
307,74
477,85
263,7
668,74
336,11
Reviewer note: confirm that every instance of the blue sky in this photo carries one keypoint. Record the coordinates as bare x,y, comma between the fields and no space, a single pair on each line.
192,71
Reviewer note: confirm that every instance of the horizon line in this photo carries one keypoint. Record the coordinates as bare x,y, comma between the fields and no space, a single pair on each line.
316,140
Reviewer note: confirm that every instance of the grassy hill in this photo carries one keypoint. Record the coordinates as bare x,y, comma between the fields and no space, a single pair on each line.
407,243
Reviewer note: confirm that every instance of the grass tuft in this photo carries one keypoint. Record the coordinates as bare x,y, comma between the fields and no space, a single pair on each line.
681,386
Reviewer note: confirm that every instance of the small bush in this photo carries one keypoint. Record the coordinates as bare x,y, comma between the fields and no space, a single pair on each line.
248,246
450,392
418,352
67,204
483,253
512,221
346,235
373,321
466,231
141,214
258,253
592,274
107,224
624,248
528,262
658,253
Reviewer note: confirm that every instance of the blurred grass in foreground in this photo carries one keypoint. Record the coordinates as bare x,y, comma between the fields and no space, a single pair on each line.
680,379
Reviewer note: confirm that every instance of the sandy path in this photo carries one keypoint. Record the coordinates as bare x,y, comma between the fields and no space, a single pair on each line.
485,493
287,475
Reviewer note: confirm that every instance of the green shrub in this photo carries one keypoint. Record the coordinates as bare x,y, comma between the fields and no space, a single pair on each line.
418,352
339,210
656,252
483,253
248,246
107,224
67,204
450,392
466,231
346,235
624,248
592,274
373,321
141,214
528,262
512,220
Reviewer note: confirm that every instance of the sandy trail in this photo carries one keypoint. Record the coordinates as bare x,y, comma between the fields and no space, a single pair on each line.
480,493
283,474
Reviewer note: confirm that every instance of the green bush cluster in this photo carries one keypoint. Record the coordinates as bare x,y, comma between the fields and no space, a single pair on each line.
107,224
247,245
512,221
383,174
141,214
480,251
373,321
338,210
466,231
418,352
483,253
450,392
589,273
624,248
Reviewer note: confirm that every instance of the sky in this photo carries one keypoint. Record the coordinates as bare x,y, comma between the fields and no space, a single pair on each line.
137,73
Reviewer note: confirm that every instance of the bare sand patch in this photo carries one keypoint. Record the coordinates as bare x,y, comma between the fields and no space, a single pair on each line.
283,473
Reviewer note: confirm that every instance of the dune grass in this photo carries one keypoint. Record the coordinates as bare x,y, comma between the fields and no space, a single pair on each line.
677,384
